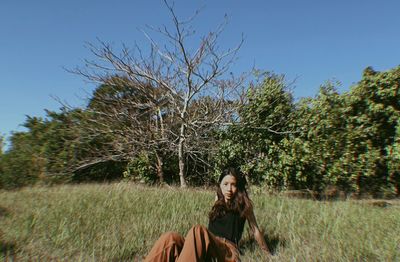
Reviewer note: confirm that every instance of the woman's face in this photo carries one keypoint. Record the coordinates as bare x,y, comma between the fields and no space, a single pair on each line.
228,187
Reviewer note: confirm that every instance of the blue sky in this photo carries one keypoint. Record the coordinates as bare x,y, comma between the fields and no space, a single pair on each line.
310,40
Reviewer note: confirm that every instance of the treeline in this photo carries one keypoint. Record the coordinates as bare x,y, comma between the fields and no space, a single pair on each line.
130,130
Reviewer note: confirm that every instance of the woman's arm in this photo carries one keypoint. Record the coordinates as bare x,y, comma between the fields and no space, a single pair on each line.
259,237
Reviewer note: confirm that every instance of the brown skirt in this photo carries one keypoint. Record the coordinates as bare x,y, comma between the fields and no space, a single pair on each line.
198,245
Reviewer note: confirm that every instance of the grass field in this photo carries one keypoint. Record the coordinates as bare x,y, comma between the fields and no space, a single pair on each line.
120,222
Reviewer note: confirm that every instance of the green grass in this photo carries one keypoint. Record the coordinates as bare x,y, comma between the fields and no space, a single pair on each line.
120,222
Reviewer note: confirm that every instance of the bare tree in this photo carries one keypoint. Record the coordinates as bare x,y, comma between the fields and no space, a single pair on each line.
127,121
189,80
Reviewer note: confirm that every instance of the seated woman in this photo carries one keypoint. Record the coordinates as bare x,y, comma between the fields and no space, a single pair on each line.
218,242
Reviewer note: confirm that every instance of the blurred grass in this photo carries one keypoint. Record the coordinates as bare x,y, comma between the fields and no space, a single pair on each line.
121,221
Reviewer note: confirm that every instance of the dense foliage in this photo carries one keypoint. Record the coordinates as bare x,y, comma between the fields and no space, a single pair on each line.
350,140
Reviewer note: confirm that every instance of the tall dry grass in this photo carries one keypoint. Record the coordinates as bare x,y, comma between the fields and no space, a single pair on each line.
120,222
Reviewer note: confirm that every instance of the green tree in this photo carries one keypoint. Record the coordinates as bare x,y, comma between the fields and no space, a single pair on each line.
1,145
46,152
323,124
347,140
349,137
23,163
373,115
254,143
393,153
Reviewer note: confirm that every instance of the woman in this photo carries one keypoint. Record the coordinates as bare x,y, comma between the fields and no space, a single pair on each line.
226,222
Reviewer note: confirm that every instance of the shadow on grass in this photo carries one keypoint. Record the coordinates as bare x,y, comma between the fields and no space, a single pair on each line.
3,211
249,244
7,250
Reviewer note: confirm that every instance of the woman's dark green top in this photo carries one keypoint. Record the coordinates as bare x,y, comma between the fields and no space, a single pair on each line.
230,226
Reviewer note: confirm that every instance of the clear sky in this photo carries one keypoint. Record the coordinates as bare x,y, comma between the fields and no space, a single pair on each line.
308,40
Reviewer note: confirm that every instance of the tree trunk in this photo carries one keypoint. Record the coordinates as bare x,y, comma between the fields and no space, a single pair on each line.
159,167
181,156
160,163
395,180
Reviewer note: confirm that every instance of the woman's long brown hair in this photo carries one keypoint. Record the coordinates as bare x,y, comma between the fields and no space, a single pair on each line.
240,203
